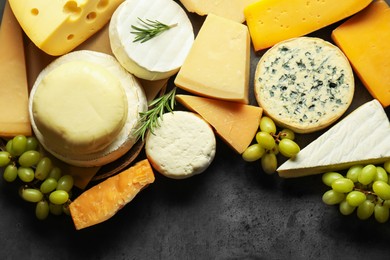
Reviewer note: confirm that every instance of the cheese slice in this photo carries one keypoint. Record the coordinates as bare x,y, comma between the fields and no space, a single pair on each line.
14,119
360,138
363,39
235,123
271,21
230,9
218,64
57,27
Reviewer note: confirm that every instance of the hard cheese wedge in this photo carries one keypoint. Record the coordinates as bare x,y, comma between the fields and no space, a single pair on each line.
235,123
361,137
57,27
363,38
271,21
14,119
102,201
218,63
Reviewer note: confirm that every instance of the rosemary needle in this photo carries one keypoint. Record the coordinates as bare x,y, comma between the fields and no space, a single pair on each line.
149,119
149,30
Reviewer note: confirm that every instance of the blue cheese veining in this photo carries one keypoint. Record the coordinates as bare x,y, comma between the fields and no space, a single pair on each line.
304,84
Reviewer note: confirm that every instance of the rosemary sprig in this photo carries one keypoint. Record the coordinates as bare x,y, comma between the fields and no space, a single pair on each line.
149,119
149,30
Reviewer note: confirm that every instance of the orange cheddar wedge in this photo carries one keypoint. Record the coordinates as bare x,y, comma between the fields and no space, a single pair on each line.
103,200
364,39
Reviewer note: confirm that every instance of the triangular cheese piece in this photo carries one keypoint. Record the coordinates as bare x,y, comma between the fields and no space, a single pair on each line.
14,119
362,137
235,123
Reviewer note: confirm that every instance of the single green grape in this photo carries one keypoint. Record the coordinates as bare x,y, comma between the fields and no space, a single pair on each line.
386,203
32,143
382,189
269,163
329,177
31,194
42,210
58,197
343,185
55,173
66,209
48,185
253,153
19,144
65,183
43,168
10,173
381,174
26,174
29,158
8,148
353,172
365,210
367,175
288,148
267,125
287,134
381,213
355,198
386,166
345,208
265,140
332,197
55,209
5,158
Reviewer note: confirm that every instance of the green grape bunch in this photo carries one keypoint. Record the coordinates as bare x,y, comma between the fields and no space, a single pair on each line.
269,143
364,189
42,182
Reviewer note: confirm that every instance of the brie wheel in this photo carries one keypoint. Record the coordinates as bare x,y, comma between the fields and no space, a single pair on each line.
84,107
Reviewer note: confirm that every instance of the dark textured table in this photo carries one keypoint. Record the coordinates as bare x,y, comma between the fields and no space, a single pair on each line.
231,211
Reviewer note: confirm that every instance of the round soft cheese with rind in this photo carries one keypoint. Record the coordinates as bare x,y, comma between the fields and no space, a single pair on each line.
136,103
182,146
304,84
163,55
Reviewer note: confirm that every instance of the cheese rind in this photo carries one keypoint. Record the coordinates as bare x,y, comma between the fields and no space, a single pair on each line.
235,123
304,84
271,21
218,63
363,38
362,137
14,120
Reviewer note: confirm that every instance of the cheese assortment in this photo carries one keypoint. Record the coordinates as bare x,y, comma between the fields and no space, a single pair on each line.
304,84
272,21
13,79
161,56
363,39
57,27
360,138
218,65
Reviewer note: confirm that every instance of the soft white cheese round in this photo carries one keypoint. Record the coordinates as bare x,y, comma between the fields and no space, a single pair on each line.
182,146
111,113
159,57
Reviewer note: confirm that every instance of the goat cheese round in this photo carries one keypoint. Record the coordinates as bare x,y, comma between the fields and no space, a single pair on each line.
161,56
182,146
304,84
83,108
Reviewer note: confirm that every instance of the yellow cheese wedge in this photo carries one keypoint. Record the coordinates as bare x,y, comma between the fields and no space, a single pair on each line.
364,39
230,9
218,63
271,21
14,119
103,200
235,123
57,27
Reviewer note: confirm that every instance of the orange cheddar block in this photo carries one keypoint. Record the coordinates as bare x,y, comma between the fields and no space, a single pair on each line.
271,21
105,199
235,123
364,39
14,119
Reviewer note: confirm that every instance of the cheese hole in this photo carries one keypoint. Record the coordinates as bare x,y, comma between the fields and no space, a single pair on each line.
71,8
35,11
70,37
102,4
91,16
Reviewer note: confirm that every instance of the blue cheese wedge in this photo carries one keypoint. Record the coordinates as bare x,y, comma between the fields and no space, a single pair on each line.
362,137
304,84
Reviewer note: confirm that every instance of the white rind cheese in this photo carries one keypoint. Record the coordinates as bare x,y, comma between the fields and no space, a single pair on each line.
304,84
182,146
361,137
159,57
121,142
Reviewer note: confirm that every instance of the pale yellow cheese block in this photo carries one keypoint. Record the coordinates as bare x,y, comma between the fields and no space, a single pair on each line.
14,119
218,64
235,123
